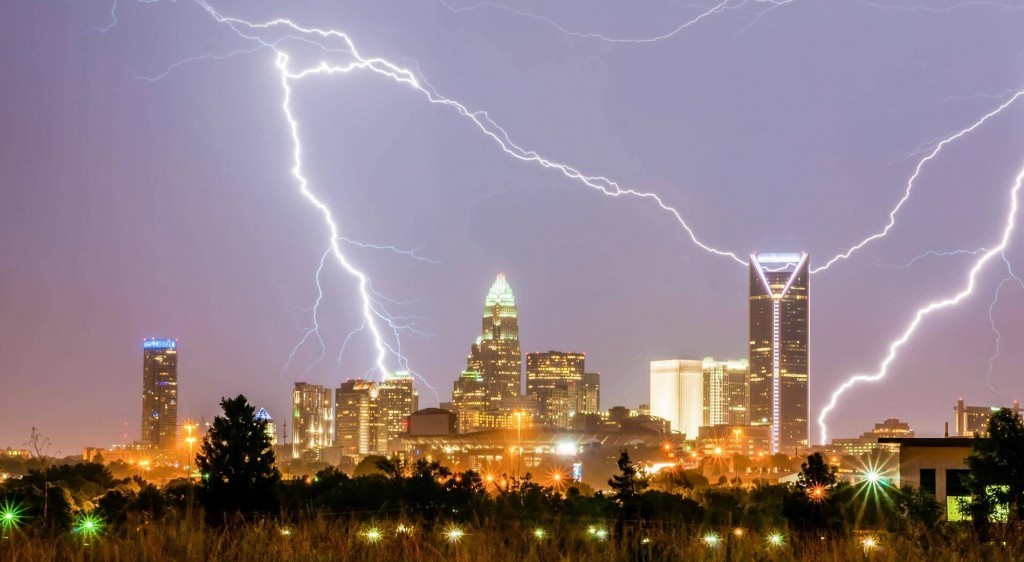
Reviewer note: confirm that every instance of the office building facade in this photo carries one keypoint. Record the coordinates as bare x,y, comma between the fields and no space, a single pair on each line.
398,399
677,394
159,394
779,347
312,420
359,428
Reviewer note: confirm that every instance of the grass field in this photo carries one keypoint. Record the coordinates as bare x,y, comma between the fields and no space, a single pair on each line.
322,539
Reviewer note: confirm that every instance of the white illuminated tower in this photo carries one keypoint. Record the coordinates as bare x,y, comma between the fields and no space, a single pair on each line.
677,394
778,347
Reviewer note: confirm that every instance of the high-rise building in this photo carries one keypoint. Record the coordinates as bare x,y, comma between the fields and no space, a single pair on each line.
311,420
398,400
469,400
271,427
726,393
590,394
159,393
677,394
496,355
359,428
778,347
971,420
555,379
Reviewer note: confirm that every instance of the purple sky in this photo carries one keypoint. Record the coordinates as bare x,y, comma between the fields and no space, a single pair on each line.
133,208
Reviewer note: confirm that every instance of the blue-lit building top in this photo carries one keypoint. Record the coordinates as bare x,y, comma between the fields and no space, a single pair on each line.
160,344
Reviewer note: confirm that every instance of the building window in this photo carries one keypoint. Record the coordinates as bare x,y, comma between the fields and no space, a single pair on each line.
928,480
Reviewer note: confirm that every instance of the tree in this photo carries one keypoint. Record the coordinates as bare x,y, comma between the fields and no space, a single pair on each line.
237,462
815,473
996,470
628,482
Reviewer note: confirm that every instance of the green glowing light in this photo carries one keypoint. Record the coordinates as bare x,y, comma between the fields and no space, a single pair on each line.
88,525
776,539
455,534
539,533
711,539
11,515
373,535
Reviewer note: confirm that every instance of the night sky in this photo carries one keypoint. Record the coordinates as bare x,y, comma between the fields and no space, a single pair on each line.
134,208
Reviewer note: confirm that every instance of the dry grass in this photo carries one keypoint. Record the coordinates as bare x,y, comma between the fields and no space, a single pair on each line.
323,539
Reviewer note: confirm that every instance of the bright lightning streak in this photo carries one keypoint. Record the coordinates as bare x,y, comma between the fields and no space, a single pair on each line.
370,316
480,119
930,308
910,182
932,253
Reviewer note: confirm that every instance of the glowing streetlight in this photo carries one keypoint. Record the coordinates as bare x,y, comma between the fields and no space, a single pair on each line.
869,543
454,534
11,516
775,539
737,532
816,493
539,533
372,535
88,525
711,539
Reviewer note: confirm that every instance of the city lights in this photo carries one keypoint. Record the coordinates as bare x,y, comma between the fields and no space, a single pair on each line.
817,493
454,534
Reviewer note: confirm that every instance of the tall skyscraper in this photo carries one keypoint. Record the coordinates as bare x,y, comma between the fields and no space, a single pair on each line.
590,394
398,400
677,394
555,379
778,347
264,416
726,392
311,420
469,400
160,393
359,429
496,355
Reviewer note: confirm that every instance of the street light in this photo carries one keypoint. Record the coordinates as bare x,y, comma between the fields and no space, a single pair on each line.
190,439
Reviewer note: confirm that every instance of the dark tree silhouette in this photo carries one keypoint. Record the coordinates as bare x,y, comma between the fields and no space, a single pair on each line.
996,466
237,462
815,472
628,482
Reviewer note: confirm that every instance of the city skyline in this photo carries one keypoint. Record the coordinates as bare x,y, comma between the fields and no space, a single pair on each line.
139,208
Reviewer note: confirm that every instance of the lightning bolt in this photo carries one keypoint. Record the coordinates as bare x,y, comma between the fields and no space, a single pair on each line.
113,20
923,313
932,253
717,8
410,253
314,330
945,9
910,182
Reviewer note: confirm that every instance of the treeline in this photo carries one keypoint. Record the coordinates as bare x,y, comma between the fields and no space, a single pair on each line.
238,479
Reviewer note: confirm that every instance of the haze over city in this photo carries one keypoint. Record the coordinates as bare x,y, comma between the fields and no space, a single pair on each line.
146,198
